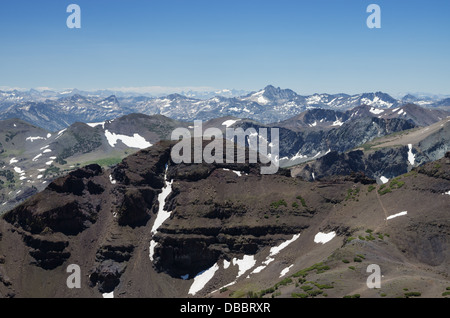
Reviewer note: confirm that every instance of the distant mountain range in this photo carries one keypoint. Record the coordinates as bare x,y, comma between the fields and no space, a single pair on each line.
56,111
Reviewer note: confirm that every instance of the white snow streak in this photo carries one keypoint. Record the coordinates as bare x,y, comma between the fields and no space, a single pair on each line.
396,215
411,156
202,279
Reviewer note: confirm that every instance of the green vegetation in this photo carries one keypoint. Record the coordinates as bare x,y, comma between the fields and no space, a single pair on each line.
315,292
357,259
306,287
371,188
303,202
8,174
309,288
394,184
277,204
383,189
319,268
412,294
352,194
352,267
52,170
295,205
105,162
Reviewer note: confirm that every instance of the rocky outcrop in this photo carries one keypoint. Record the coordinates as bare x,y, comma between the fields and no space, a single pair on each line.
111,264
48,253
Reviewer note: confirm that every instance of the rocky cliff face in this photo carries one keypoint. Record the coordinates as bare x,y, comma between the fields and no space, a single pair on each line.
147,227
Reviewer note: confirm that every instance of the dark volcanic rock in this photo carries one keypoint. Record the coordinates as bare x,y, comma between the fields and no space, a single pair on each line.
47,254
135,207
437,169
107,275
66,206
145,168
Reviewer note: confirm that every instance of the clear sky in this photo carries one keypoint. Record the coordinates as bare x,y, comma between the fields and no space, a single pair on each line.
313,46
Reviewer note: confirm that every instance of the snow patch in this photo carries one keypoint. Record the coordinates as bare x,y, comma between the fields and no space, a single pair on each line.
397,215
112,180
376,111
135,141
338,122
246,263
93,125
285,271
152,249
298,156
275,250
202,279
230,122
384,179
162,214
411,156
324,237
108,295
34,138
239,173
18,170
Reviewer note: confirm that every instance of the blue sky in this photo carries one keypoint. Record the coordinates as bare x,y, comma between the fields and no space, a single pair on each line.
308,46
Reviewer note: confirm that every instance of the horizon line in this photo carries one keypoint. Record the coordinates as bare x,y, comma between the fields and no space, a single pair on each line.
157,90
